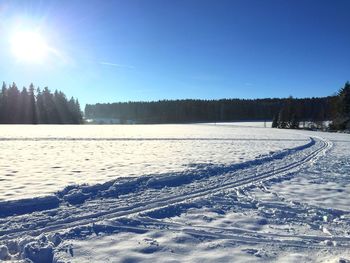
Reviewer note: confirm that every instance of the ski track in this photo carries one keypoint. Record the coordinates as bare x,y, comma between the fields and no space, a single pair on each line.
239,235
81,211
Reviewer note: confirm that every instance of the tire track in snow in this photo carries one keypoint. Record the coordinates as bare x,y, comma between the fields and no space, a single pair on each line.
213,185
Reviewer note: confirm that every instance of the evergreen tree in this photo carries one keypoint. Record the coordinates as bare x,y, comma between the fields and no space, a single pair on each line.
41,109
53,116
78,112
61,103
24,107
275,121
294,123
74,108
32,108
282,119
3,104
344,96
342,119
12,109
287,117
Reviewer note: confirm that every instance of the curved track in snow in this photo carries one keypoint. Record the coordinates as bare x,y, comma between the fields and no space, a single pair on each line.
149,203
153,193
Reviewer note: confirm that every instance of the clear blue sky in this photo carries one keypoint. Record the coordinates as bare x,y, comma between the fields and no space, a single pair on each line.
107,51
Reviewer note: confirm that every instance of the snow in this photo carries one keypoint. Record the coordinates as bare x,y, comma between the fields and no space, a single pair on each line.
40,160
212,193
253,124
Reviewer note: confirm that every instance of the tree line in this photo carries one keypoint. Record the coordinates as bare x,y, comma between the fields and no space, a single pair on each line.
341,120
182,111
36,106
289,116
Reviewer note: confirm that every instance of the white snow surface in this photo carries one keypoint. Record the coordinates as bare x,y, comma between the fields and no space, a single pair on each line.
39,160
209,193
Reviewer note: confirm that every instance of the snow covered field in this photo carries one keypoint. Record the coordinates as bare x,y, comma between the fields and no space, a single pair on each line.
39,161
173,193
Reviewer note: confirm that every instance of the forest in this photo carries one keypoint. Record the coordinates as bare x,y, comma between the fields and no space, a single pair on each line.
36,106
289,116
185,111
285,112
30,106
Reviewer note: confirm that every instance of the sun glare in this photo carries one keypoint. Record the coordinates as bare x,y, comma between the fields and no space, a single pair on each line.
29,46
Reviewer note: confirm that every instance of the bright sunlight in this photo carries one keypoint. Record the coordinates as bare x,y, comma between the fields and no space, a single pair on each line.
29,46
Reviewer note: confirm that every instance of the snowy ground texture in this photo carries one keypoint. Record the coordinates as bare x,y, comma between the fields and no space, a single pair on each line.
174,193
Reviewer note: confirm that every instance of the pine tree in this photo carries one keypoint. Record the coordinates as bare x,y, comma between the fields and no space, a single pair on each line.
282,119
344,96
74,109
61,103
12,109
53,116
3,103
24,107
32,108
79,116
294,124
275,121
342,119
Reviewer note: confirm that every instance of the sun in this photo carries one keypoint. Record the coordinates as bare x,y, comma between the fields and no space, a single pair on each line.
29,46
